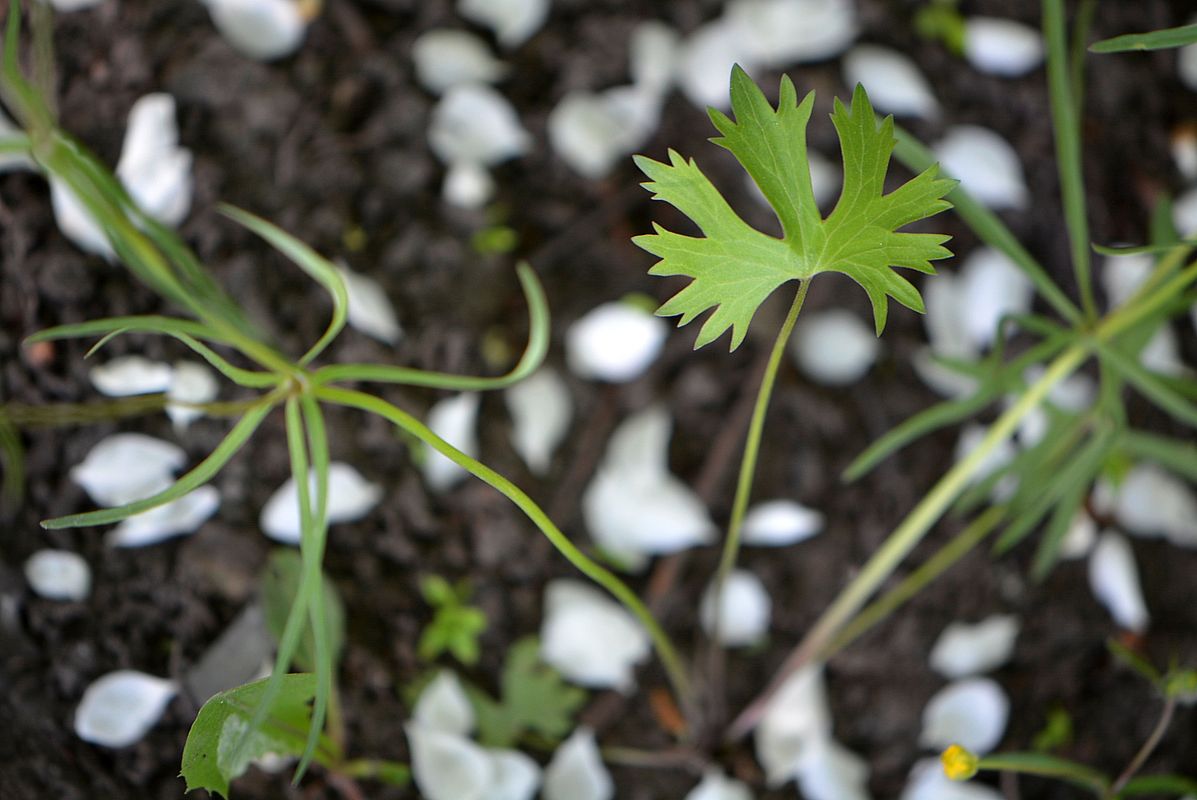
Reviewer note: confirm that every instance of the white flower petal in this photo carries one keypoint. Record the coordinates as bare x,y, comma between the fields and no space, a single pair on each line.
76,222
577,772
131,375
963,650
370,310
633,507
780,32
940,378
1184,153
829,771
971,713
834,348
780,522
798,717
191,383
705,63
119,708
179,517
614,342
541,411
515,776
74,5
447,766
1184,209
986,164
1121,276
928,782
448,58
58,575
350,497
513,21
127,466
453,419
991,286
468,185
743,613
717,786
589,638
443,706
1153,502
1081,535
1186,64
261,29
653,55
476,124
592,132
1002,46
1162,354
10,162
152,166
946,320
971,436
894,82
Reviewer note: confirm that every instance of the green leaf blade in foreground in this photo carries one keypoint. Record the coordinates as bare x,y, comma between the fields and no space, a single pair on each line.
211,758
1152,40
736,267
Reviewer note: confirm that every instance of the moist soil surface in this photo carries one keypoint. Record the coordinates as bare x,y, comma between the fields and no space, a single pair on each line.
331,145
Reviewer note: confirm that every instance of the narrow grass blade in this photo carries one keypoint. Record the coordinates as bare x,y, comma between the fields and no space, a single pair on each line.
201,474
1177,456
988,227
534,353
1062,515
1164,39
12,456
315,265
1149,385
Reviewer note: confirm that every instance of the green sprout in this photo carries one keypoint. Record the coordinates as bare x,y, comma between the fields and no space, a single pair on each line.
455,626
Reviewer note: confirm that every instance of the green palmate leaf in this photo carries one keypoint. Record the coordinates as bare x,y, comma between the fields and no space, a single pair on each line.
217,749
535,700
735,267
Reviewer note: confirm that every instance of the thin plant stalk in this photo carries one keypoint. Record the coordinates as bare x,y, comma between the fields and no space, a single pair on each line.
672,663
904,538
1144,752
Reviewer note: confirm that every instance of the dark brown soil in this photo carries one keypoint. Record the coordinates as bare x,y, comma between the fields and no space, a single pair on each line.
334,139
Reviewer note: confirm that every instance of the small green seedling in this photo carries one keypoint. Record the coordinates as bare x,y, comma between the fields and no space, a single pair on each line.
455,626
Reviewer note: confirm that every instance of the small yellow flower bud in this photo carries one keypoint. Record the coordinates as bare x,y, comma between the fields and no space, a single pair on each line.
959,764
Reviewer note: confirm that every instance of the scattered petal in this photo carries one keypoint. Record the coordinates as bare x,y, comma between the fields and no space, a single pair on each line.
927,782
591,132
1121,276
1162,354
634,507
1081,535
894,82
614,342
1184,208
743,613
119,708
986,164
777,523
541,409
1186,64
717,786
261,29
653,53
513,21
991,286
1002,46
829,771
1184,151
131,375
971,713
971,436
447,766
589,638
74,5
516,776
577,772
964,650
946,320
780,32
177,518
706,60
152,166
76,222
128,466
58,575
468,185
797,719
453,419
834,347
443,706
191,384
448,58
1154,502
1114,580
350,497
944,380
475,124
370,310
